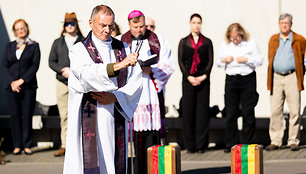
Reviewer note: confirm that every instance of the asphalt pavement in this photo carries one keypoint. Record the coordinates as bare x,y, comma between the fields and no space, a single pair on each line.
212,161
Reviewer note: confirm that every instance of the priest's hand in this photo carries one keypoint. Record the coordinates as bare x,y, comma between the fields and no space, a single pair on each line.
104,98
130,60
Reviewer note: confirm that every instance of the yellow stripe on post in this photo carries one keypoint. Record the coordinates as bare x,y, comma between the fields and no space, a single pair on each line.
251,158
168,159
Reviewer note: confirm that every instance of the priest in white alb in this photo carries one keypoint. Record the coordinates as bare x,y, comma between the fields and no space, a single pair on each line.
104,89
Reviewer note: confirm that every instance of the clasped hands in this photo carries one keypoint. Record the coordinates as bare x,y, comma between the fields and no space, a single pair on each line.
229,59
195,81
15,85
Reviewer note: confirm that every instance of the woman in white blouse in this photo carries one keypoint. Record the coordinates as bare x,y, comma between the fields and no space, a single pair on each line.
239,55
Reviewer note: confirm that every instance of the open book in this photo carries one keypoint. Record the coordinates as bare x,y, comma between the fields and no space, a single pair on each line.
148,61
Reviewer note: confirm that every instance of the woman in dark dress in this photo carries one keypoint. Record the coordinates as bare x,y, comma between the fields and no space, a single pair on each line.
20,64
195,57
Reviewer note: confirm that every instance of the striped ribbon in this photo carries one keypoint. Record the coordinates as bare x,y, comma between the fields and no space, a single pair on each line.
162,159
155,159
238,159
251,158
245,159
168,159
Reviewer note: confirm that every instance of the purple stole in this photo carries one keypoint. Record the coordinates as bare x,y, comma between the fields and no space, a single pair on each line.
89,116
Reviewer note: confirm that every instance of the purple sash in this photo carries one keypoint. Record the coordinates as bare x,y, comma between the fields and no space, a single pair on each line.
89,116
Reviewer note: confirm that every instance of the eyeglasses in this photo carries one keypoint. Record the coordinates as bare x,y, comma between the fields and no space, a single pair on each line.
152,26
69,23
238,38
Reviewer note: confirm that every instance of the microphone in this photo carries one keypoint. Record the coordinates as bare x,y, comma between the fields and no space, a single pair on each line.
139,43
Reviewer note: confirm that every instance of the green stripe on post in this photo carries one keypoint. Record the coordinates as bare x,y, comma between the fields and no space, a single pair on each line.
161,160
244,159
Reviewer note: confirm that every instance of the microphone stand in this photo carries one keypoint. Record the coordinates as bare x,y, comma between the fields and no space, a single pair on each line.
138,46
131,145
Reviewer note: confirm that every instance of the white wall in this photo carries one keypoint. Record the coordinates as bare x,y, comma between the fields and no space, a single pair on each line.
260,19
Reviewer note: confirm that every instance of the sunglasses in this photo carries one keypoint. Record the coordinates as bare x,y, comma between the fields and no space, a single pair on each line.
69,23
152,26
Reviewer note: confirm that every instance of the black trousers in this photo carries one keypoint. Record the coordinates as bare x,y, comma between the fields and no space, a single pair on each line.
21,109
240,94
195,105
143,140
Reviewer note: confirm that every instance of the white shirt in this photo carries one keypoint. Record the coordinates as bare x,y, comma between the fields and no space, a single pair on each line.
70,40
18,53
305,60
248,49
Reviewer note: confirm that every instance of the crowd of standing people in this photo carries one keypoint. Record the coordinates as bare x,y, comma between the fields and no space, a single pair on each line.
111,79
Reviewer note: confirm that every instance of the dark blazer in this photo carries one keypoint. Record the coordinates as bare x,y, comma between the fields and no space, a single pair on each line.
24,68
185,57
59,58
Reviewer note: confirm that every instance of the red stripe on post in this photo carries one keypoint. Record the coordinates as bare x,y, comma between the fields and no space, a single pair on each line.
155,159
238,159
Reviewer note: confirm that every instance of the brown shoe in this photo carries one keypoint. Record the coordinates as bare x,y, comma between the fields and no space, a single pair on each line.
294,147
60,152
272,147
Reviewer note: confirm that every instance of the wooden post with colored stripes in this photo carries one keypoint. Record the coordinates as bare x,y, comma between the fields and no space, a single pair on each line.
164,159
247,159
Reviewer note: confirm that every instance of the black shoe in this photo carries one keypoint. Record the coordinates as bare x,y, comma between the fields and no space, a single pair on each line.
190,151
28,152
227,150
200,151
15,152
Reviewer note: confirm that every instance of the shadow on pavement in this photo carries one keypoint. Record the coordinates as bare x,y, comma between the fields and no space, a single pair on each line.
214,170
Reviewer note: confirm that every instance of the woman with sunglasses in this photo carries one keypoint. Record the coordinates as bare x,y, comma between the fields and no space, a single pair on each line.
239,55
21,62
59,62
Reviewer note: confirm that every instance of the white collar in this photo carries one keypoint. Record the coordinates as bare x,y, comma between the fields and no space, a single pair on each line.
100,42
239,45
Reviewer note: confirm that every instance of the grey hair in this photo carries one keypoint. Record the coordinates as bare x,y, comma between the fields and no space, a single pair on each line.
283,16
102,8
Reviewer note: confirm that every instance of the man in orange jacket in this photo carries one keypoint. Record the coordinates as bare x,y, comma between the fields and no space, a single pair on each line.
285,81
